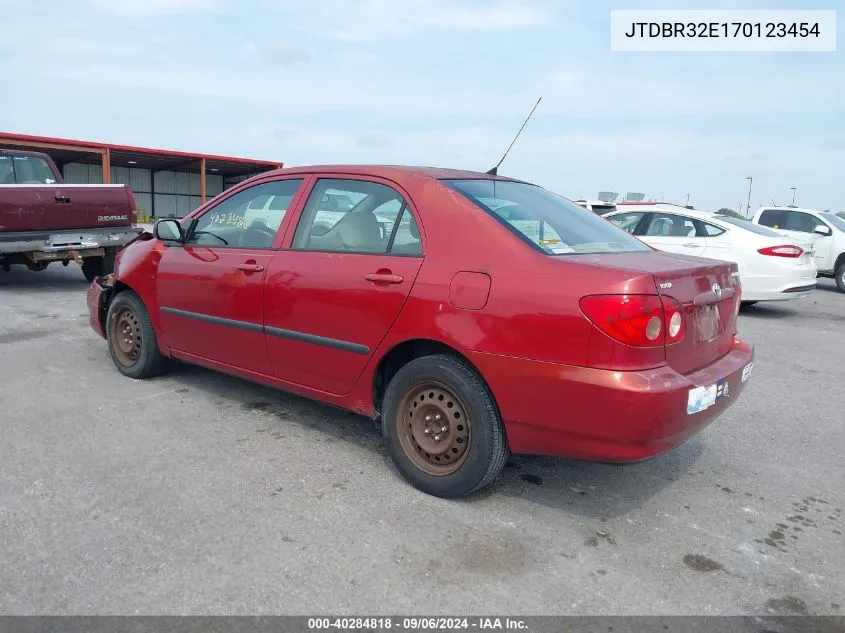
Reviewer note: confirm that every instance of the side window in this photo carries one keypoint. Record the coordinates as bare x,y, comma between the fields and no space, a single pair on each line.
627,221
711,230
803,222
249,219
671,225
773,218
356,216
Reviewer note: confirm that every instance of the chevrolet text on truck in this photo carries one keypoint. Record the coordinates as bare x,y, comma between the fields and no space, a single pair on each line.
43,219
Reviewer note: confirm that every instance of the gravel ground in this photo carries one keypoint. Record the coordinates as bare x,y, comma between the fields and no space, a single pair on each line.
197,493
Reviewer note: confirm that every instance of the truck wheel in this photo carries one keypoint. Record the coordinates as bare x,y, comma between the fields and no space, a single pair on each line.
132,339
840,277
442,427
93,267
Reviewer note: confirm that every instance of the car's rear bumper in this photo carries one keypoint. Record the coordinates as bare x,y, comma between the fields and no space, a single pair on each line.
785,281
62,242
798,290
608,416
96,307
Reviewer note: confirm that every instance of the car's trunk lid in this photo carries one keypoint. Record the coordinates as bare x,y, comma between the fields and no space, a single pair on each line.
708,292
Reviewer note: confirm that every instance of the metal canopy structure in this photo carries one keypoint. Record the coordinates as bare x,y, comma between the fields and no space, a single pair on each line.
108,155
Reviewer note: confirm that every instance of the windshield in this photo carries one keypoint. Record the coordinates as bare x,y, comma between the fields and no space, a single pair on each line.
754,228
547,221
835,220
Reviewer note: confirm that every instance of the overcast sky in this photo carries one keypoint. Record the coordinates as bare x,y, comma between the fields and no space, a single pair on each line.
436,82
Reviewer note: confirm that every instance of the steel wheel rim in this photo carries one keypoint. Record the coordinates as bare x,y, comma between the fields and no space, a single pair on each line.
126,336
425,411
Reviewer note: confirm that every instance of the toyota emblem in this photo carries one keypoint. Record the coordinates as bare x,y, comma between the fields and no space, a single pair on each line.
717,290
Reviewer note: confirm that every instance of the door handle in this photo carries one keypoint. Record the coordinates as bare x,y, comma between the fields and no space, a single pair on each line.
63,199
385,278
250,268
692,244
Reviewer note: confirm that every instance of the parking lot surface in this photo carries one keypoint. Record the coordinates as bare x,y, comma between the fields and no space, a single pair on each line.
197,493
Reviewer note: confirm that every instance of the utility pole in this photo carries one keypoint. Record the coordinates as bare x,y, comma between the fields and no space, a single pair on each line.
748,204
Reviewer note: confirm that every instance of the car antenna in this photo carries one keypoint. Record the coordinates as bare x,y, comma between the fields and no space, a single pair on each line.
495,170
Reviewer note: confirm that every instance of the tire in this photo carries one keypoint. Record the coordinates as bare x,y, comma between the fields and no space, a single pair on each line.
136,355
746,304
840,277
472,451
93,267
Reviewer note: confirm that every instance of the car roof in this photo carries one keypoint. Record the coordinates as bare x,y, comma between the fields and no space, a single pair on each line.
659,207
395,172
776,208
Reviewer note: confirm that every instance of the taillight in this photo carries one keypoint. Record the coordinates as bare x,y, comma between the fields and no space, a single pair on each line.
676,324
638,320
787,250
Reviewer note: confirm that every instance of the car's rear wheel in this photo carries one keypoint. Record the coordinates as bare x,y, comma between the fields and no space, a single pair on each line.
131,337
442,427
840,277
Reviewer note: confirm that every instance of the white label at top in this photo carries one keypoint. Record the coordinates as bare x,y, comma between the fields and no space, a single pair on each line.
723,30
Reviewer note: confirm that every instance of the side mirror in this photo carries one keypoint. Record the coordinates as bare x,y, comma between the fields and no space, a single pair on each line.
168,230
822,229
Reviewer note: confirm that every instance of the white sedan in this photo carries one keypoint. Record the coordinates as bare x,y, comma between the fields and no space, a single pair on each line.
772,267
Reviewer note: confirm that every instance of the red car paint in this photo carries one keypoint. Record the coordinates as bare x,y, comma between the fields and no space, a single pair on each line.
320,324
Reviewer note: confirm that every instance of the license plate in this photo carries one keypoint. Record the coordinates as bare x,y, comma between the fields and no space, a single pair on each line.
708,321
701,398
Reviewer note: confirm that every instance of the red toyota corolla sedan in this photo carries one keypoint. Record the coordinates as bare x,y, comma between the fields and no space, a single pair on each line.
470,315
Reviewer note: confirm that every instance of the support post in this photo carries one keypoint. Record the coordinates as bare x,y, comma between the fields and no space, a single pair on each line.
106,166
202,180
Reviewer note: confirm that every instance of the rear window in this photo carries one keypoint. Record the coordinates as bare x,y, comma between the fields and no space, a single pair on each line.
25,170
750,226
548,222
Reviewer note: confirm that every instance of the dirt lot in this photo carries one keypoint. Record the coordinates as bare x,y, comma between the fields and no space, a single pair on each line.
199,493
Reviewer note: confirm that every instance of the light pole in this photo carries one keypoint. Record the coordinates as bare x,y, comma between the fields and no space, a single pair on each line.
748,204
793,196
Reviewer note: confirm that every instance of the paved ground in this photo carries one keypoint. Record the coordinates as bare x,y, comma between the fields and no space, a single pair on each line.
199,493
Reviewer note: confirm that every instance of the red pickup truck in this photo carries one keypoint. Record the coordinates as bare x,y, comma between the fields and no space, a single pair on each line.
43,220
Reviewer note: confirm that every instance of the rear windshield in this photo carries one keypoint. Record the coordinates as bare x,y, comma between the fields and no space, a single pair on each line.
25,170
547,221
754,228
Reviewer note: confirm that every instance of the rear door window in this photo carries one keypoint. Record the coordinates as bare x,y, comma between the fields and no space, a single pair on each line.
358,216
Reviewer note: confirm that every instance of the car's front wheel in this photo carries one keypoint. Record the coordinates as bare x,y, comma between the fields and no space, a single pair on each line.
131,337
442,427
